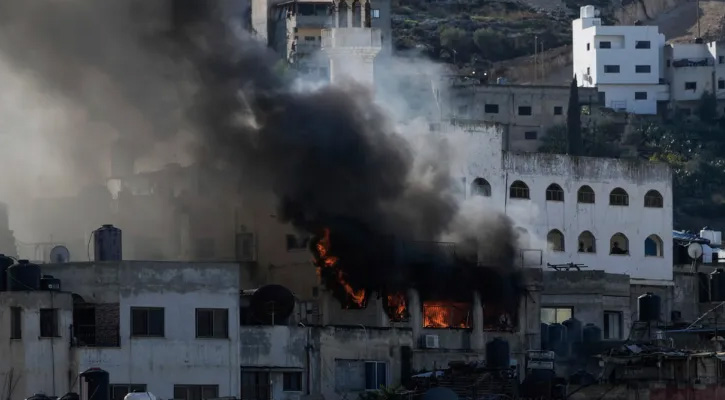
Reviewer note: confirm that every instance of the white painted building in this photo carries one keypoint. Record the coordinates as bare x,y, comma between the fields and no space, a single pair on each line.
577,208
623,62
168,328
695,68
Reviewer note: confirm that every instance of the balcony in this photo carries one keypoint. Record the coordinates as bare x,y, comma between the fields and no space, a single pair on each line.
692,62
352,37
313,21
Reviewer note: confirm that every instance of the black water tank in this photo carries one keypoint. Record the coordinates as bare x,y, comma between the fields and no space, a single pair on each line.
107,243
558,342
38,396
23,276
47,282
648,307
544,336
98,384
498,354
573,330
5,263
591,333
70,396
717,285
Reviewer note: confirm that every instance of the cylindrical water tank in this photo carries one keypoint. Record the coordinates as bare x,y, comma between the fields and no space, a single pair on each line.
717,285
23,276
107,243
498,354
48,282
591,333
98,384
573,330
648,307
5,263
544,336
557,339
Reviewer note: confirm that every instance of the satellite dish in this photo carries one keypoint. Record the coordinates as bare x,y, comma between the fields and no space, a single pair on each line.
694,250
59,255
272,303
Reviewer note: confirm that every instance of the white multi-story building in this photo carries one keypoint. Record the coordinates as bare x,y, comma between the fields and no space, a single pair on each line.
692,69
623,62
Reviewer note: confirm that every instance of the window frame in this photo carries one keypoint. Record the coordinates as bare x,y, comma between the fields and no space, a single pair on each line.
520,109
54,323
653,201
556,308
297,379
638,96
201,388
558,110
610,69
620,322
524,191
16,323
377,374
561,236
148,311
721,84
375,13
214,312
643,46
531,135
490,109
613,196
555,194
605,44
480,187
693,84
580,199
637,69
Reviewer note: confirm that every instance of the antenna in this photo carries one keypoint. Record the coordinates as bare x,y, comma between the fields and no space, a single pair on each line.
59,255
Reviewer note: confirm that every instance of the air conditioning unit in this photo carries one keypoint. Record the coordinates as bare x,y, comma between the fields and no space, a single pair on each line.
431,342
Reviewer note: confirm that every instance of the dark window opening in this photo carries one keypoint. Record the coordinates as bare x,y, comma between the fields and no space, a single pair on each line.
255,386
195,392
49,322
653,199
119,391
605,45
147,322
642,44
16,323
640,95
588,46
490,108
531,135
212,323
618,197
292,381
585,195
690,85
524,110
611,69
642,69
558,110
721,84
554,193
480,187
96,325
612,325
295,242
721,59
519,190
376,375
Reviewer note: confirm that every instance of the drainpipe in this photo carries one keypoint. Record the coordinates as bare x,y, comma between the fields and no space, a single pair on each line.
308,349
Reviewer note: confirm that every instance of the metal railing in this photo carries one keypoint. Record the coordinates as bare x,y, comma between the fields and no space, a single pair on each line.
92,336
692,62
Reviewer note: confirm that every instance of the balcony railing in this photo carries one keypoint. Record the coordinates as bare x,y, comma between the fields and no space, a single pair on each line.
692,62
351,37
94,336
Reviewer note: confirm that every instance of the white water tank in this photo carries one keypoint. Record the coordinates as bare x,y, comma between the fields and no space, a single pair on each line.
140,396
587,12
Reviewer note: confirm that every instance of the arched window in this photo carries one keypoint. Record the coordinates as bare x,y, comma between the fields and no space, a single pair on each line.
618,197
653,199
356,14
519,190
554,193
523,237
585,195
619,244
556,240
342,10
653,246
480,187
587,243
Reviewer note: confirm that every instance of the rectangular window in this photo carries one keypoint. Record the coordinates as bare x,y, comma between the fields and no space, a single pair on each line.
642,69
530,135
16,323
245,246
212,323
297,242
642,44
558,110
690,85
120,390
605,45
375,13
524,110
195,392
556,315
640,95
588,46
292,381
49,322
612,325
668,63
310,38
721,84
147,321
721,59
490,108
376,375
611,69
255,386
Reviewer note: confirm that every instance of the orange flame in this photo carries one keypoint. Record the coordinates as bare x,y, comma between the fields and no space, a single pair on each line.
445,314
397,306
329,261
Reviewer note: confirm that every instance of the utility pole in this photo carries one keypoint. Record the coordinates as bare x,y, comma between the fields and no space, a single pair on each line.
536,66
699,34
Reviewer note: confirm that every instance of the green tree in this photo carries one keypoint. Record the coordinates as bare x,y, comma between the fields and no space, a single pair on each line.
457,40
490,43
707,108
573,121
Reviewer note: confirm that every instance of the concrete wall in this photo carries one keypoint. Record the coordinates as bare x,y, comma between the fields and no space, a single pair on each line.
178,357
32,363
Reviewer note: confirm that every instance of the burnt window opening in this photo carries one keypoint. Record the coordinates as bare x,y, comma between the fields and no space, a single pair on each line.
396,306
49,323
554,193
212,323
446,315
587,243
480,187
585,194
619,244
297,242
497,318
147,322
120,390
16,323
96,325
292,381
653,199
519,190
618,197
555,240
255,385
196,392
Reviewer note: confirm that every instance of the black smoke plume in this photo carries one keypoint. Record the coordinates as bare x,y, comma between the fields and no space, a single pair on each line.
332,157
